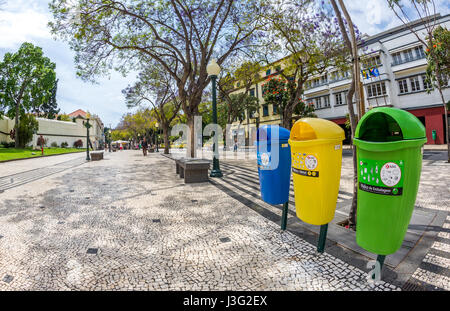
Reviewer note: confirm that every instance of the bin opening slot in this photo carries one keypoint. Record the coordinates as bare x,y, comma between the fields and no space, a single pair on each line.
380,127
303,131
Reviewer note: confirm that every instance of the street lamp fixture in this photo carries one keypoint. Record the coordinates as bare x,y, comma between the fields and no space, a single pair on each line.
256,116
88,126
213,70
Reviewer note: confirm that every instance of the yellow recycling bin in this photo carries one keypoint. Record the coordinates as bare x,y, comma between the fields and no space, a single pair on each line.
316,149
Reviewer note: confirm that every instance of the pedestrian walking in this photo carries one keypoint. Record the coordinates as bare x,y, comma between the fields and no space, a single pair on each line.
144,146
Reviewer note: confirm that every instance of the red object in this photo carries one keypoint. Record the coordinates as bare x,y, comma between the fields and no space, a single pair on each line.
42,149
433,121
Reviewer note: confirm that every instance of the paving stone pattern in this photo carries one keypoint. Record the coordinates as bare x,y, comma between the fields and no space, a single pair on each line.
111,205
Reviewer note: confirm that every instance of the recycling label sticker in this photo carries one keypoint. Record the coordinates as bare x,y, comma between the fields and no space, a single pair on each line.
305,164
311,162
264,161
381,177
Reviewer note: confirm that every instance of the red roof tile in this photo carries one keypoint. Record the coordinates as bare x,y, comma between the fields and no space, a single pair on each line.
77,113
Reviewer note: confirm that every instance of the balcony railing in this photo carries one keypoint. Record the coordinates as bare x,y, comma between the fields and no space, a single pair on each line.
407,60
339,79
317,85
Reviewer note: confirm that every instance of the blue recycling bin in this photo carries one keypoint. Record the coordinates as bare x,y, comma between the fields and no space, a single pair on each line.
274,163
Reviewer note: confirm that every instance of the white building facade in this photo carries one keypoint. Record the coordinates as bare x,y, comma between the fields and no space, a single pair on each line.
400,59
55,131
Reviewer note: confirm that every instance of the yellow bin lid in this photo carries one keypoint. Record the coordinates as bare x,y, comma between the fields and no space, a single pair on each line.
316,129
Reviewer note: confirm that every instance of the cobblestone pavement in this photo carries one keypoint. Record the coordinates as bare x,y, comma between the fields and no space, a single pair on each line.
433,273
129,223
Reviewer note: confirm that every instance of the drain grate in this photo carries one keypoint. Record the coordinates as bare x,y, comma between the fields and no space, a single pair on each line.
92,251
8,278
225,240
157,220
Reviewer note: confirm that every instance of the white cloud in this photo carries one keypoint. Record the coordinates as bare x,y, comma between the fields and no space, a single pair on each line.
26,21
375,16
22,21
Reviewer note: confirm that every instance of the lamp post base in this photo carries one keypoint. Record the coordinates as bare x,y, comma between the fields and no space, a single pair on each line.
216,173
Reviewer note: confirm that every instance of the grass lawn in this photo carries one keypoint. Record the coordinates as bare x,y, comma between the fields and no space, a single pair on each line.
13,153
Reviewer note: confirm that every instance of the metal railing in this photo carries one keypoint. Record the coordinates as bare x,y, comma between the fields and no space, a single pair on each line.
408,60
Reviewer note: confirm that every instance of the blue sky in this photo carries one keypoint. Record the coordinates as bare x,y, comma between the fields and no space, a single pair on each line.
26,20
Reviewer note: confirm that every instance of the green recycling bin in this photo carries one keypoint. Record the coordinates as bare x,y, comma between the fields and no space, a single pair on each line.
388,146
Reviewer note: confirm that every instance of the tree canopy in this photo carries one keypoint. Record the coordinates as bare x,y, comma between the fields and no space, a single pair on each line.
27,83
182,36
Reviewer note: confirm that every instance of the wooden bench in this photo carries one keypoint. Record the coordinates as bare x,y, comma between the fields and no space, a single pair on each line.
192,170
96,155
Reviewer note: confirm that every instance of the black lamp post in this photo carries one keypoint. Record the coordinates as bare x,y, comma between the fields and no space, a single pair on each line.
88,126
213,70
109,140
256,116
157,133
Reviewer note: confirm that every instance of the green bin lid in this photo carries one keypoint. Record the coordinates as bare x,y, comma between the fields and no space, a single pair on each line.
386,124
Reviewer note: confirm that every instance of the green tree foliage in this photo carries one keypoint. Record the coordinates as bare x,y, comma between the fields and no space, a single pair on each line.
49,108
27,79
278,92
437,54
28,126
64,117
182,36
438,58
308,35
234,106
136,125
155,89
120,135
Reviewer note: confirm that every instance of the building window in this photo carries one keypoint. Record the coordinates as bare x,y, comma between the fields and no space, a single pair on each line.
376,89
252,92
419,52
275,109
318,102
372,62
415,84
315,82
267,72
340,100
403,85
324,78
265,110
326,101
426,84
397,58
408,55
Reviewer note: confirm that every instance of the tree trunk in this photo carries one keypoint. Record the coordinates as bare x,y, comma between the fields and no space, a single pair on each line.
16,126
352,213
190,152
438,79
166,138
353,120
287,117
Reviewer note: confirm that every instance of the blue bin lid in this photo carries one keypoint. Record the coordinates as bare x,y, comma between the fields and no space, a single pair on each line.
265,133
